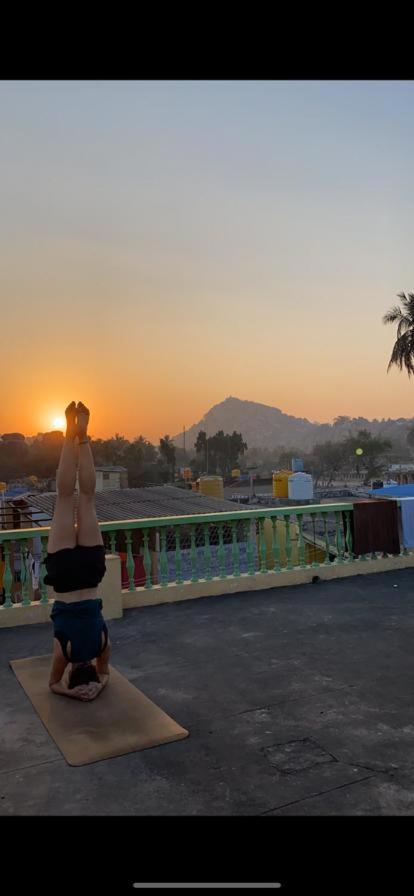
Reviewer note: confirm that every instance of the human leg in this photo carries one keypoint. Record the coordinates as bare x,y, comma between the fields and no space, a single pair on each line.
62,530
88,531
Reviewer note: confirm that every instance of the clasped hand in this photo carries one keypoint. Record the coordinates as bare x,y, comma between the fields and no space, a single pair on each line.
87,692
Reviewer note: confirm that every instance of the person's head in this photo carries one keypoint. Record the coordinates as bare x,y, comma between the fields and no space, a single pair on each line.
83,673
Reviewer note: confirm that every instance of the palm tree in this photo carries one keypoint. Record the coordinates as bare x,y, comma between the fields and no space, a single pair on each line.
403,351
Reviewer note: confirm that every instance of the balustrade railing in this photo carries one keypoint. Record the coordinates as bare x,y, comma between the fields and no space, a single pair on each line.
169,551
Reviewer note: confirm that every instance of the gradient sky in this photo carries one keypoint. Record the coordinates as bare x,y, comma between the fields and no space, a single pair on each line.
166,244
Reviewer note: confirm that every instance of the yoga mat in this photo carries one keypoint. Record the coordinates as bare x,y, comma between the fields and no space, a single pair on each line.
120,720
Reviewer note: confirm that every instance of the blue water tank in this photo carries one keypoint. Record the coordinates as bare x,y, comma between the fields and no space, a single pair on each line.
297,465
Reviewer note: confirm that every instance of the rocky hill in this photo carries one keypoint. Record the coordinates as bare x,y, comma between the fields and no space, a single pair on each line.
263,426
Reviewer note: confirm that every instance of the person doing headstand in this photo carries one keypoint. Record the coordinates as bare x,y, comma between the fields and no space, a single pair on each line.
75,565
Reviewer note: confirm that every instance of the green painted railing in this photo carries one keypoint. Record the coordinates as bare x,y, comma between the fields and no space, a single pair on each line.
202,547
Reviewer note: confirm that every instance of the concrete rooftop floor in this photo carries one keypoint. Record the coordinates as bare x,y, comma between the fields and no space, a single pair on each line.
299,701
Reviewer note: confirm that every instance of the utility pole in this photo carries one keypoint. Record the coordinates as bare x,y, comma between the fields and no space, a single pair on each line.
251,478
206,446
184,439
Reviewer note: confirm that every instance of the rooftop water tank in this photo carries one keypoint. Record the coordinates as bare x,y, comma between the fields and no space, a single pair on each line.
212,485
297,465
280,483
300,487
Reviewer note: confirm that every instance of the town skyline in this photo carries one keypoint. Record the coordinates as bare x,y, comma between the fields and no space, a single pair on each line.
220,407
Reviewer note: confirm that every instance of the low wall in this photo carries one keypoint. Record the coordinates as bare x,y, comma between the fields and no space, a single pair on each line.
245,582
115,601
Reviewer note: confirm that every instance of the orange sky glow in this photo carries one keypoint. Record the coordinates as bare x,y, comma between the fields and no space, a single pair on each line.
166,244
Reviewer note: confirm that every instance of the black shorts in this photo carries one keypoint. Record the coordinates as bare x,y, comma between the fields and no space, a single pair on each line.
82,624
72,569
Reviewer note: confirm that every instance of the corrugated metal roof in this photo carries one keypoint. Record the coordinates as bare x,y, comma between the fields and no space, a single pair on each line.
142,503
15,491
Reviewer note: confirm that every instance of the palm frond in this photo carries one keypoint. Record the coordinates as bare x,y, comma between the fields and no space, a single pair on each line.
393,315
407,301
402,354
404,325
398,352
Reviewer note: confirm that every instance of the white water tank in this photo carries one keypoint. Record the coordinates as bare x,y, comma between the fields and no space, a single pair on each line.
300,486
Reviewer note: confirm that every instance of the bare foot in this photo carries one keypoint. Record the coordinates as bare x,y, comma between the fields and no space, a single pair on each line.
82,416
70,414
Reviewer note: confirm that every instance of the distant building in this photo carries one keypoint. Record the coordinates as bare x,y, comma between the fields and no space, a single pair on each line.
109,478
403,474
12,437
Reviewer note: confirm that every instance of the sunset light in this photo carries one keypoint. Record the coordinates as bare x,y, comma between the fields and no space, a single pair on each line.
207,358
323,213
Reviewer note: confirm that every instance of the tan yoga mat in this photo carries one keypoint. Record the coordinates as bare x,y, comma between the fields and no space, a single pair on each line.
120,720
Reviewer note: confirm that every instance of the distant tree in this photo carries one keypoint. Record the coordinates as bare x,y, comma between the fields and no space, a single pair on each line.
222,451
167,454
53,439
204,459
13,437
196,466
98,451
182,457
328,461
217,452
200,462
236,447
200,442
285,457
140,459
375,451
410,437
14,459
402,354
44,454
341,421
112,450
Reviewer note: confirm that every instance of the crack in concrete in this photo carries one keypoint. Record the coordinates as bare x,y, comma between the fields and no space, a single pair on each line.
312,796
22,768
301,740
208,719
368,768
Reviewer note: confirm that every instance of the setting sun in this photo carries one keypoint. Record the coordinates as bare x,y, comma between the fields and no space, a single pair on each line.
58,423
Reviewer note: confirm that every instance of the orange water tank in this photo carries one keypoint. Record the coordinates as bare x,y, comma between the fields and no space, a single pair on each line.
280,483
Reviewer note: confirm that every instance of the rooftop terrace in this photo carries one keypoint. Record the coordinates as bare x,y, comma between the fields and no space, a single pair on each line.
298,701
